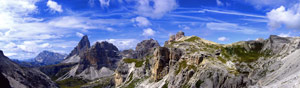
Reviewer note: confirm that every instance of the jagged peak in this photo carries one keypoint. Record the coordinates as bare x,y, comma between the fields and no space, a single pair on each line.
1,53
179,35
83,45
84,42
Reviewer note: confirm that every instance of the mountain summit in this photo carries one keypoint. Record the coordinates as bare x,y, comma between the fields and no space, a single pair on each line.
92,62
48,58
81,47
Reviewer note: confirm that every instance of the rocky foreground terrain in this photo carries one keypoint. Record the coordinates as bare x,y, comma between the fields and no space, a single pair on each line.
183,62
192,62
14,76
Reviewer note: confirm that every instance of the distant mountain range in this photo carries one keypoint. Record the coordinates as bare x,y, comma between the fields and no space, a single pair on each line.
42,59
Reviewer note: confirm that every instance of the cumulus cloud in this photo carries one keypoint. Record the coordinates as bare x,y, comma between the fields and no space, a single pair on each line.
54,6
289,17
148,32
223,39
12,11
141,21
155,8
123,44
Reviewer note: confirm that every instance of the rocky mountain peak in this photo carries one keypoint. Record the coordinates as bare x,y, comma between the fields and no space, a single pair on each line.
79,50
105,45
146,47
176,37
1,53
101,54
48,58
278,44
84,44
179,35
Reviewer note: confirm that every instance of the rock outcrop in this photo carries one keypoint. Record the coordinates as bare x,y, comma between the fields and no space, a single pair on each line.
161,63
19,77
179,35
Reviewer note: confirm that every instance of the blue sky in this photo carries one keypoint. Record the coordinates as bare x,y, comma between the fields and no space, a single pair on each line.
28,27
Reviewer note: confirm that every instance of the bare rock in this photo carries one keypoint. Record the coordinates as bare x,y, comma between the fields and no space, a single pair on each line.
146,48
160,67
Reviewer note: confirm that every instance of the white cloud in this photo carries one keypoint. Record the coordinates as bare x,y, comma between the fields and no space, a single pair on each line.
71,22
79,34
104,3
231,27
223,39
33,46
123,44
10,54
110,29
54,6
285,34
155,8
290,17
270,3
231,13
219,3
148,32
12,11
221,26
141,21
184,27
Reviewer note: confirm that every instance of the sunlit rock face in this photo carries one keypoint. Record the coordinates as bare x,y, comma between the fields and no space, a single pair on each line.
102,54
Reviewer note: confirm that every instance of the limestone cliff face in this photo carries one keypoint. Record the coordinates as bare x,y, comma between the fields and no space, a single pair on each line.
161,63
102,54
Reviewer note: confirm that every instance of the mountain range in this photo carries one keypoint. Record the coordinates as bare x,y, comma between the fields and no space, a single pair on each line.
183,62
